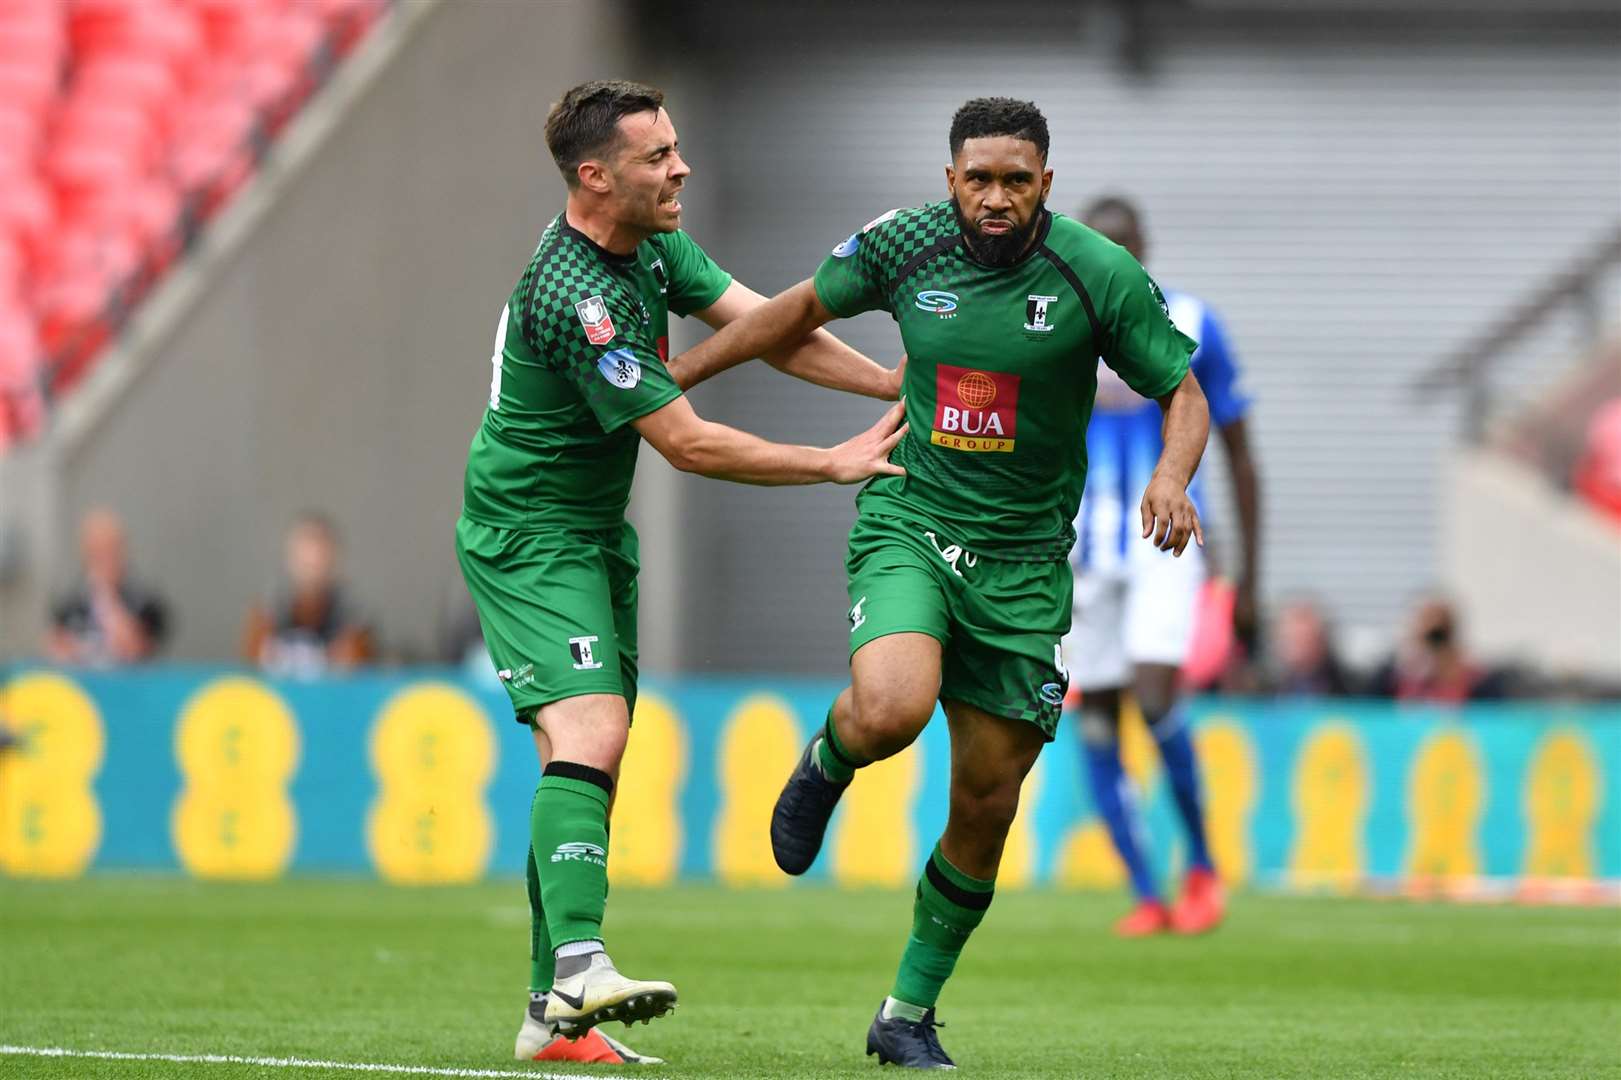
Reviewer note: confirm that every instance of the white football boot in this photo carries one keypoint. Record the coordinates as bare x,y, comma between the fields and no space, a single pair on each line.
538,1040
599,993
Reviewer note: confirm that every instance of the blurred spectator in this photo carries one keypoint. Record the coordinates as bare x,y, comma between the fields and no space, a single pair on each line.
1598,474
1431,663
1308,663
309,626
107,618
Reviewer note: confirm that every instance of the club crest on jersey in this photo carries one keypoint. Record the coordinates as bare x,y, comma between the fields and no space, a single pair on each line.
580,649
593,313
621,368
938,302
661,275
976,411
1035,314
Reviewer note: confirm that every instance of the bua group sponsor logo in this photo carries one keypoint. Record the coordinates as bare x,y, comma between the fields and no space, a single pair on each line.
938,302
974,410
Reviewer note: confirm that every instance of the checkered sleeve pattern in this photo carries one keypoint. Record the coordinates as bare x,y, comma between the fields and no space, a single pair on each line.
582,321
850,282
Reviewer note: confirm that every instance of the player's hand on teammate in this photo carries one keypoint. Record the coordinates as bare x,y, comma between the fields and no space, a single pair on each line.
896,381
1169,516
854,460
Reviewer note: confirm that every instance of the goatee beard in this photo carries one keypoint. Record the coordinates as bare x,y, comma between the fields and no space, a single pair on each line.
1004,250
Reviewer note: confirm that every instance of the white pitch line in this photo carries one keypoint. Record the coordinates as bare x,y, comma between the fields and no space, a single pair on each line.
277,1063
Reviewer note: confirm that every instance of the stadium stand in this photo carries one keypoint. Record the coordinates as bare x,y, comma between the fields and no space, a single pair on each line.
125,125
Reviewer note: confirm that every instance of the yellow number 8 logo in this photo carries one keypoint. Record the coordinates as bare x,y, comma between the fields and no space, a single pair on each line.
237,748
433,754
50,823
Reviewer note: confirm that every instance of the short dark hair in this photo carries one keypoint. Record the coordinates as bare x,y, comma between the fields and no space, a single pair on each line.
586,122
986,117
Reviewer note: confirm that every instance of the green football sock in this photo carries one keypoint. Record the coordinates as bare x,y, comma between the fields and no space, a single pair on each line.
541,964
836,763
569,831
949,905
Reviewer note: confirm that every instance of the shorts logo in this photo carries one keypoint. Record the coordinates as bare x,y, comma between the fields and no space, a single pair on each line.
938,302
977,411
517,680
593,313
848,248
1035,314
621,368
580,648
857,616
661,275
580,851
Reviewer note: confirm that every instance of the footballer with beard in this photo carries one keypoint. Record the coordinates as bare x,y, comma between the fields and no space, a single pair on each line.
959,585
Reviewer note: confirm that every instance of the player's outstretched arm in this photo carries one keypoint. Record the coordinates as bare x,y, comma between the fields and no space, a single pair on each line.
1167,512
693,444
818,358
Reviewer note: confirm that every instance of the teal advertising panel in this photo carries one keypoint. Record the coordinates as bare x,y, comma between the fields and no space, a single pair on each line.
420,776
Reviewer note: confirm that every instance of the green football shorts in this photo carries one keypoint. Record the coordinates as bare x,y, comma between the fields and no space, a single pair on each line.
558,610
999,622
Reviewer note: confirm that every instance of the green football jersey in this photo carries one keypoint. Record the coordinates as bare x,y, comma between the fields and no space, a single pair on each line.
1001,369
579,354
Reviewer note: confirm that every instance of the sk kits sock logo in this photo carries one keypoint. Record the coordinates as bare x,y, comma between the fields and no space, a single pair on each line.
580,648
977,411
580,851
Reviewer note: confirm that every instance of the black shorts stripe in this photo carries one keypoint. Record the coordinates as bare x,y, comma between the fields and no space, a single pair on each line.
573,770
949,889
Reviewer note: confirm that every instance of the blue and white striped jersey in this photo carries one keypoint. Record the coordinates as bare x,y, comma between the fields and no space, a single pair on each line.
1123,442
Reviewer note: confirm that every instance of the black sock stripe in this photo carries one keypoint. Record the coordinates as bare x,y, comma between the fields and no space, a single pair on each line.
973,901
833,746
573,770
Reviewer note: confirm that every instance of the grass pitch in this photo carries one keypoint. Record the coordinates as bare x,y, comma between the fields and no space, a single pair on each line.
783,983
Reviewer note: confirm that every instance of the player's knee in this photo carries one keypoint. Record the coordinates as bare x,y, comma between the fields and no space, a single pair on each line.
887,720
987,805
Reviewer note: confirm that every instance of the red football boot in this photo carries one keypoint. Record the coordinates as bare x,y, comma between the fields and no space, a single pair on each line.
594,1047
1203,903
1148,917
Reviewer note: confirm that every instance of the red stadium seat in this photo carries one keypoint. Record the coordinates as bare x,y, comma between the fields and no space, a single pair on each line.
141,81
28,85
214,152
27,212
121,123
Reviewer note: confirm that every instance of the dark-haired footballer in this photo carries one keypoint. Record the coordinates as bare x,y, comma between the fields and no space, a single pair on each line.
958,579
578,379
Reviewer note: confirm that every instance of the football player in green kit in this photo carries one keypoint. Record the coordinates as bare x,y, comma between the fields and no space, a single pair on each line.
578,380
958,583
